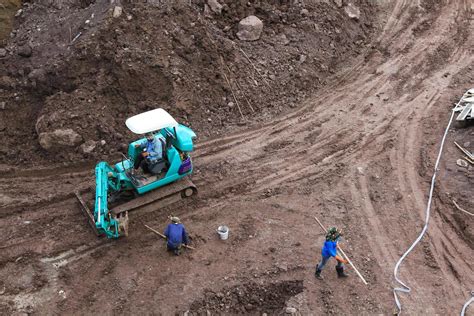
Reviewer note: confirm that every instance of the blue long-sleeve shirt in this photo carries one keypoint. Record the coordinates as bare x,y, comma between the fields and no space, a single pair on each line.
329,249
153,148
176,235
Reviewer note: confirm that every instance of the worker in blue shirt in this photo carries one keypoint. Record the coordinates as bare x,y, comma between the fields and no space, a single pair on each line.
330,250
152,154
176,235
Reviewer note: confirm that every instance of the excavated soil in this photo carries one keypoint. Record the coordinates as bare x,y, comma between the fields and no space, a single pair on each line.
334,116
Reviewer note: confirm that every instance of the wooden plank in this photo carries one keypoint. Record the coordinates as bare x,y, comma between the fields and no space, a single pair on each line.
465,151
465,112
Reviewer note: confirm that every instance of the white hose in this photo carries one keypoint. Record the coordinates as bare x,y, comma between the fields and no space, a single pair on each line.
467,304
405,288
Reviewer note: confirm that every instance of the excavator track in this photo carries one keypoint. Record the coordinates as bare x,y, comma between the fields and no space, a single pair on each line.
166,195
162,196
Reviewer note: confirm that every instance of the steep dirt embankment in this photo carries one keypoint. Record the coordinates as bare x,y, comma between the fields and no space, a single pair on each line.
61,91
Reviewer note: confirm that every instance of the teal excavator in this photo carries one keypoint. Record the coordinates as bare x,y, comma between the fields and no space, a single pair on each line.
119,189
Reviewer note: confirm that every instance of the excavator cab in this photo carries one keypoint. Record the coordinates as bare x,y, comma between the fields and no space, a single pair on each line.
110,209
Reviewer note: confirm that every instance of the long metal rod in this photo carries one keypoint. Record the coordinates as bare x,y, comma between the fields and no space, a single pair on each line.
343,254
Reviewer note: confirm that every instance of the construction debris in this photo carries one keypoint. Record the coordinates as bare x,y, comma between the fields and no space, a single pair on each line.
461,209
465,106
468,156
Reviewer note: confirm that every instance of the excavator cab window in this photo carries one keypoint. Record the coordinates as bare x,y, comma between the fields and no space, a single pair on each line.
169,137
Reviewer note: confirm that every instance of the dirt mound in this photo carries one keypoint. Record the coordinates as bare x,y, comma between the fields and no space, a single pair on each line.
91,71
248,298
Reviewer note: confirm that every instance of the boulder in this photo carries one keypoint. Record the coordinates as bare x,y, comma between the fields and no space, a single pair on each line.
338,3
25,51
215,6
60,138
3,52
250,28
352,11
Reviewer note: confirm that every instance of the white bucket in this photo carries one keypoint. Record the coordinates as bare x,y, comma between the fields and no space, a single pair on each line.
223,232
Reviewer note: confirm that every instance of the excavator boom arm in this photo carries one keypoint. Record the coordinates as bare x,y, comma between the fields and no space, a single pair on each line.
104,222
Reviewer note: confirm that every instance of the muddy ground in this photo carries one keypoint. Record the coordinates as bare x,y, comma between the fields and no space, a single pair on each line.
341,119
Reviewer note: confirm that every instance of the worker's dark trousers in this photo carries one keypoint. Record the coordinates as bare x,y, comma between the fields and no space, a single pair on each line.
175,249
141,162
323,262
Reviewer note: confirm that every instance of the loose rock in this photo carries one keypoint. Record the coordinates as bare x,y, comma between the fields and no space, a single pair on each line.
25,51
215,6
462,163
88,146
59,138
207,10
290,310
352,11
117,11
38,75
250,28
338,3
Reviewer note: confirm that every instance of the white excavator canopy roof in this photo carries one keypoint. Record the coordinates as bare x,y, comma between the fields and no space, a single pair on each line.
150,121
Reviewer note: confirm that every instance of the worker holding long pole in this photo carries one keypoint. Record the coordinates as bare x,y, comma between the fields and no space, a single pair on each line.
330,250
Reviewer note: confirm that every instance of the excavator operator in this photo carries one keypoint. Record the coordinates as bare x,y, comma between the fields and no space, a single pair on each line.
152,153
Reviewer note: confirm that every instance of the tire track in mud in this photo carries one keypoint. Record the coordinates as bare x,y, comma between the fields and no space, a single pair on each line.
51,291
408,179
409,182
